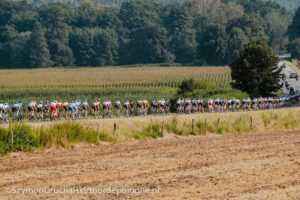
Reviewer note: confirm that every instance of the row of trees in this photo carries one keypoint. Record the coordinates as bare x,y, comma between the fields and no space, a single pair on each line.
198,31
289,4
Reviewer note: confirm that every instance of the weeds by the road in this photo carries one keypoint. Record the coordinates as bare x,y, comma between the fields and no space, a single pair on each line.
152,131
24,137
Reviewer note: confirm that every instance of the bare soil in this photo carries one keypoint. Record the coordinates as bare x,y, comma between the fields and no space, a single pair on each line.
252,166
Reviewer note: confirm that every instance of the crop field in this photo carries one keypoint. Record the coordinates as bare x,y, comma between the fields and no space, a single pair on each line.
108,82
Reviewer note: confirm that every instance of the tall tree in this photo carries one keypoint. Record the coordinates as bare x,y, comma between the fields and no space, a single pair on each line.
148,45
277,29
94,46
38,52
294,28
58,35
86,14
236,39
252,25
256,71
213,44
139,13
181,33
145,39
7,33
13,51
294,48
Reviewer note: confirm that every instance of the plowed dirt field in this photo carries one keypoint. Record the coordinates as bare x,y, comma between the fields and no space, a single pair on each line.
251,166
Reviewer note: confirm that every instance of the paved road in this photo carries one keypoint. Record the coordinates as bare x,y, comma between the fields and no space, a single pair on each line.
293,82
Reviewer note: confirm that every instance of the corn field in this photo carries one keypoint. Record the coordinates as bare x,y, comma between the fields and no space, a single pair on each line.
109,82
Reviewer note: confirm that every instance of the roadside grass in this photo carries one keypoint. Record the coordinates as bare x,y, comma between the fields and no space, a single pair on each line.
294,67
150,131
23,137
28,137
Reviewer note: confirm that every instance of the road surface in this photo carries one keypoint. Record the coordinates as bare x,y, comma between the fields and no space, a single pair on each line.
293,82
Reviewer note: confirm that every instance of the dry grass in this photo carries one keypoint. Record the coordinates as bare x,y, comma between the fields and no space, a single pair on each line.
28,137
294,67
218,123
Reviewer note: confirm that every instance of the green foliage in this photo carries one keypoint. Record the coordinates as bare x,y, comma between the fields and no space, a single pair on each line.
38,52
173,126
237,38
151,131
61,53
215,125
205,89
255,71
294,35
288,4
21,137
86,33
294,48
294,28
94,46
187,86
70,133
148,45
213,44
13,51
182,35
252,25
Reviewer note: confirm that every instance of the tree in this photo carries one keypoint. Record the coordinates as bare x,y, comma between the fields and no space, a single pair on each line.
138,17
58,36
187,87
82,42
38,52
6,11
277,29
294,28
7,33
256,71
86,15
106,46
252,25
219,26
139,13
13,51
181,33
94,46
58,39
294,48
24,16
237,38
213,44
148,45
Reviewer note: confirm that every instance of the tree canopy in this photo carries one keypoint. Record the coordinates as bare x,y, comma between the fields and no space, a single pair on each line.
137,31
255,71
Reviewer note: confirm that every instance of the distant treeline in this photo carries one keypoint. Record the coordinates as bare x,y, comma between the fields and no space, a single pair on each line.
289,4
138,31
